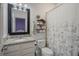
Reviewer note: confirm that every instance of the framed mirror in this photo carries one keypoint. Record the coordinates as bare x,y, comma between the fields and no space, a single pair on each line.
18,20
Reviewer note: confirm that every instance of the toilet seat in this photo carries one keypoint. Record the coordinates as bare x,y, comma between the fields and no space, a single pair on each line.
47,52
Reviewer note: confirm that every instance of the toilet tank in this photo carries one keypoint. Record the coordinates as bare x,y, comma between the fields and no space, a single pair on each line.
41,43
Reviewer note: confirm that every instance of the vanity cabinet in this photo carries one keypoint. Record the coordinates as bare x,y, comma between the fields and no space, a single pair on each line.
19,49
0,50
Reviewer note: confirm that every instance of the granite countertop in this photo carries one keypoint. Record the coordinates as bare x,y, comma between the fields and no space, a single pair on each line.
14,41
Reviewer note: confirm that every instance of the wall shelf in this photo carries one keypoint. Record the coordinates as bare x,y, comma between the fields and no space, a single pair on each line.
41,26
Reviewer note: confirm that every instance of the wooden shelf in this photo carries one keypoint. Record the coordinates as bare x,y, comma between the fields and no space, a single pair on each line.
40,24
41,27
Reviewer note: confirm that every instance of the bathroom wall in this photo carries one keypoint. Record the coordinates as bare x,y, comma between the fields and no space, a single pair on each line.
35,9
0,22
41,8
5,23
63,30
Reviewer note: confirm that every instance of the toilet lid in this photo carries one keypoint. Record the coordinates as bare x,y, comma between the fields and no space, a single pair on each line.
47,50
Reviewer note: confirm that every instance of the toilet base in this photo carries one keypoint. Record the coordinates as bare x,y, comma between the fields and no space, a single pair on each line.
47,52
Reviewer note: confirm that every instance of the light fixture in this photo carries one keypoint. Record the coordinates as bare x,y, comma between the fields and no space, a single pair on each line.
15,6
25,7
20,6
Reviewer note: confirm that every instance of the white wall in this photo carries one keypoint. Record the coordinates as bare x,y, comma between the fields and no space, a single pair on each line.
35,9
62,31
41,9
5,21
1,22
0,19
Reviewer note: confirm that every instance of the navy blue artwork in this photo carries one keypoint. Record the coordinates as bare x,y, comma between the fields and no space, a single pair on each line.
20,24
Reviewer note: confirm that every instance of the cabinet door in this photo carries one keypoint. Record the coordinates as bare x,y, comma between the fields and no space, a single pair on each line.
29,54
27,48
28,51
12,48
0,54
15,53
27,45
20,49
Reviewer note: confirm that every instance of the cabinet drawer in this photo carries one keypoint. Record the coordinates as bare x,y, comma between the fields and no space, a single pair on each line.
19,49
0,54
27,45
30,54
27,51
16,53
12,48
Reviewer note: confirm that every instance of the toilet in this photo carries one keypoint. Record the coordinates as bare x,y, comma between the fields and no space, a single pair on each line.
45,51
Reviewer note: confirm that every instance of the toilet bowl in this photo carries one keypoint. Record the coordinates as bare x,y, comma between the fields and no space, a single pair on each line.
45,51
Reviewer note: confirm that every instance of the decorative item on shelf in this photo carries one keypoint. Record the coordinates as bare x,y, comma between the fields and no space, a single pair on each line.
38,17
41,27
